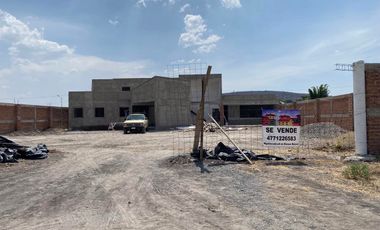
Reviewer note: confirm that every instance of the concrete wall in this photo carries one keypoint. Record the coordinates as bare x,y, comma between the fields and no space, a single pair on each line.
173,103
235,119
213,97
234,101
372,89
171,99
15,117
146,92
107,94
337,109
231,99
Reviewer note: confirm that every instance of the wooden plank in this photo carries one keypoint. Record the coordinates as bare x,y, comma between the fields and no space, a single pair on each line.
200,113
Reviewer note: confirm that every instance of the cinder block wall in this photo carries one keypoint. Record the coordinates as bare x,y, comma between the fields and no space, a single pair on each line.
337,110
8,115
372,87
15,117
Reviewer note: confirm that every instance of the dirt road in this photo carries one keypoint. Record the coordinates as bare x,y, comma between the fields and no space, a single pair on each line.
107,180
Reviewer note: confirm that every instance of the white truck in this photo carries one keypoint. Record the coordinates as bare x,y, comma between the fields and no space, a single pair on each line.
135,122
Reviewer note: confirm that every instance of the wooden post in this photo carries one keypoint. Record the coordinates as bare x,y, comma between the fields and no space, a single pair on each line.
202,125
200,115
229,138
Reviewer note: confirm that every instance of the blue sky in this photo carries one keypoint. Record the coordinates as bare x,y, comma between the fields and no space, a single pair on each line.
49,47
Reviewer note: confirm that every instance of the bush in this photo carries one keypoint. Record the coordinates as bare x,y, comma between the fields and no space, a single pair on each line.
356,171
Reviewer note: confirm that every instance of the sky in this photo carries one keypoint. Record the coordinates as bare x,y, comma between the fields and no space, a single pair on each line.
51,47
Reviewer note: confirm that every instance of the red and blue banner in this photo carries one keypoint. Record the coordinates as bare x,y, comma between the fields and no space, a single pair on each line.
281,127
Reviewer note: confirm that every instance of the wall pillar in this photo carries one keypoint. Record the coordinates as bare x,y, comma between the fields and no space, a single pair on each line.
360,115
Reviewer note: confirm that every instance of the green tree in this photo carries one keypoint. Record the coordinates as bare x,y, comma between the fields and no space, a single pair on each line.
319,91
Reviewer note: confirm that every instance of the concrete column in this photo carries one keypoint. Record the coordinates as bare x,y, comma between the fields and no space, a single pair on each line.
360,115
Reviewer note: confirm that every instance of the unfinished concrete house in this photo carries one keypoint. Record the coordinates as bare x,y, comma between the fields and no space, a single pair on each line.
167,102
244,108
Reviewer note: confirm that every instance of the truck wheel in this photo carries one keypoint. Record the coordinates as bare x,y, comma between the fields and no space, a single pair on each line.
143,130
125,131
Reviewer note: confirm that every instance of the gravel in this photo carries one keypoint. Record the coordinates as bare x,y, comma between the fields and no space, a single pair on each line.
321,130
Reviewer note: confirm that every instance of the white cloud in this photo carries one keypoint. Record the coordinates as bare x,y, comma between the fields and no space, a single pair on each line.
183,61
144,3
26,43
141,3
113,22
184,8
194,35
230,4
38,66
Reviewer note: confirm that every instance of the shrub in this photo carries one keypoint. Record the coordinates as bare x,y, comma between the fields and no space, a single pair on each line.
356,171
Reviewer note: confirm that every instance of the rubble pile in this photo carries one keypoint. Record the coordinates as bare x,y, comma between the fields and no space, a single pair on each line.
209,127
322,130
11,151
226,153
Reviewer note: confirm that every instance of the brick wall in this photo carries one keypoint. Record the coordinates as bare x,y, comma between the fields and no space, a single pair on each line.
372,87
337,109
31,117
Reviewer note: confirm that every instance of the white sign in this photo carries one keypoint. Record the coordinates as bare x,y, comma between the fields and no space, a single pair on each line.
281,135
281,127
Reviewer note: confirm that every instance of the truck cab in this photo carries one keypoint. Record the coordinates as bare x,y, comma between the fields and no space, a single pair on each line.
135,122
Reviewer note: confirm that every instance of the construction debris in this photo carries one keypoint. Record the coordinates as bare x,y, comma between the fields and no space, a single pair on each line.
229,138
186,128
226,153
210,127
322,130
11,151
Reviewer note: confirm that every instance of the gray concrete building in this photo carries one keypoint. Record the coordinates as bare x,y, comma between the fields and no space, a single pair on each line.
167,102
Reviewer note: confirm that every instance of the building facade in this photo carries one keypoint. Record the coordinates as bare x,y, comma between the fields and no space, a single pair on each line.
167,102
244,108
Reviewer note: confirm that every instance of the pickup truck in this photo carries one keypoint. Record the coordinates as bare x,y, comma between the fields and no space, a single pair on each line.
135,122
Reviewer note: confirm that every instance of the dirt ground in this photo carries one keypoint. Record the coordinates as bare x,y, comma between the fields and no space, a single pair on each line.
108,180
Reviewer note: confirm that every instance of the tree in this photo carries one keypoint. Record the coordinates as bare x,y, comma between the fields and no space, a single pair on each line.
319,91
